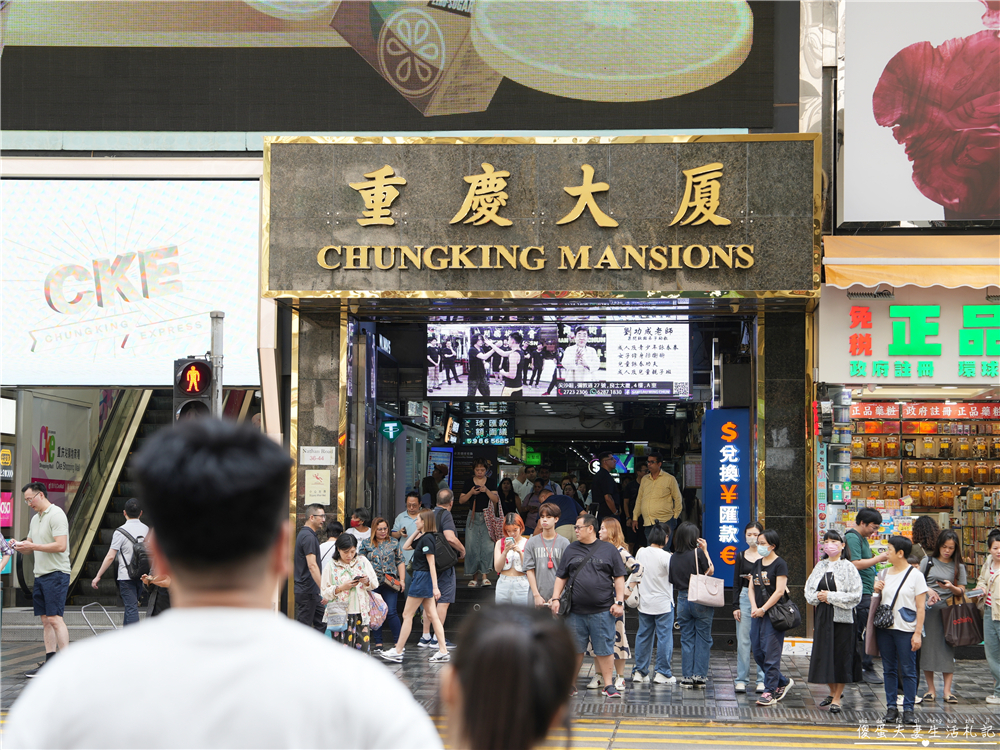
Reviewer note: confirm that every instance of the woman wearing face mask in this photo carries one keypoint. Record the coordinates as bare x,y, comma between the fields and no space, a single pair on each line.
348,577
741,609
989,581
769,582
360,529
834,588
945,575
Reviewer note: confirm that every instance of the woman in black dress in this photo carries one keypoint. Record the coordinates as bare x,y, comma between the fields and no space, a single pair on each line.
834,588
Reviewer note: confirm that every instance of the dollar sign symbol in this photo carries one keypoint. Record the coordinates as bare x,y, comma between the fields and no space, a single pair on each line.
729,432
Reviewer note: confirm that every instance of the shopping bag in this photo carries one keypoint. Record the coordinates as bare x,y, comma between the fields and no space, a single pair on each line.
378,610
963,624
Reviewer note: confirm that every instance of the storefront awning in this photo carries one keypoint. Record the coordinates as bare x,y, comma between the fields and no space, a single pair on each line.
949,261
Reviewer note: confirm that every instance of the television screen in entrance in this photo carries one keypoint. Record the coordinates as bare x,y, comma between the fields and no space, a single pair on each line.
558,360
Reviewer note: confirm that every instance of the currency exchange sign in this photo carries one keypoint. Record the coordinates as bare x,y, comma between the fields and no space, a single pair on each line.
727,485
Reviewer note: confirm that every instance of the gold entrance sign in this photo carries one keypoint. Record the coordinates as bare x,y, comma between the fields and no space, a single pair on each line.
533,257
486,197
627,216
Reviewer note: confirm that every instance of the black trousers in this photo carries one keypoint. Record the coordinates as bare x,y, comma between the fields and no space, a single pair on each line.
309,611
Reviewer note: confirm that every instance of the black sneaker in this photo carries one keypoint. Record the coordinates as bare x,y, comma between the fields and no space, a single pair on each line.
871,677
909,718
33,672
687,682
891,716
698,682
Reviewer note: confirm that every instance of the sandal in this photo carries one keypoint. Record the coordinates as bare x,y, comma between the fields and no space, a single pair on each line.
950,699
473,584
930,697
486,582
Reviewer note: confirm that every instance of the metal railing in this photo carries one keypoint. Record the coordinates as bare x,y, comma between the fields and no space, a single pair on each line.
98,484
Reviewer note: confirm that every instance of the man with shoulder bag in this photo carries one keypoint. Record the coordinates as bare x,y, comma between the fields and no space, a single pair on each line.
590,581
124,543
450,551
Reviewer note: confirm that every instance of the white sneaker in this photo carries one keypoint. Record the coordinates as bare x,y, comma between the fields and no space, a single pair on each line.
994,699
760,687
741,687
661,679
595,682
620,683
392,655
440,656
899,700
640,677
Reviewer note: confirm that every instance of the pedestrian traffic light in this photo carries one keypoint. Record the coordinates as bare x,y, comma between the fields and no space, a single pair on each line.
192,388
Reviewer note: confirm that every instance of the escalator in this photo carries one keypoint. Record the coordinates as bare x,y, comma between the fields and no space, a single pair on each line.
158,413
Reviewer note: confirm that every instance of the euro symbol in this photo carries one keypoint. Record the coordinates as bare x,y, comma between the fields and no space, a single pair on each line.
729,432
728,555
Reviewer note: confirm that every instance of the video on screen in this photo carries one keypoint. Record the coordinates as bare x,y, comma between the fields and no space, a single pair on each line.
558,360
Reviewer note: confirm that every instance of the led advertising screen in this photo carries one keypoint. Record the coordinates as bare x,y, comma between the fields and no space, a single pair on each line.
558,360
456,65
492,429
106,283
921,85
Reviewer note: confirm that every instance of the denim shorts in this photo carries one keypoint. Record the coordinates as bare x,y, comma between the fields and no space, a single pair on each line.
49,594
598,628
421,586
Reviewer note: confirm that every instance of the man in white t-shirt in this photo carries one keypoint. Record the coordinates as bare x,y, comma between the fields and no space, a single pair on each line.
228,671
904,589
524,482
656,609
122,548
581,363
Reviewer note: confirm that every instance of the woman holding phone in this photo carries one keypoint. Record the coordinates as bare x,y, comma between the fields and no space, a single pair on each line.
508,562
347,578
480,490
423,590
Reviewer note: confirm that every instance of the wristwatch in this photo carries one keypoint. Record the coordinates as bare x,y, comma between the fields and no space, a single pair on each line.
620,604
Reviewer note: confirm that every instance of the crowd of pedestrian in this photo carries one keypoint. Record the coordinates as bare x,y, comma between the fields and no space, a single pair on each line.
562,587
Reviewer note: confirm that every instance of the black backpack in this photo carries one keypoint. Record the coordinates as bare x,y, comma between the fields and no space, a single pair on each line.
138,566
445,556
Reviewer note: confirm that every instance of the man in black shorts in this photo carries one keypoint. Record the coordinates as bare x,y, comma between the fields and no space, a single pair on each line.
447,579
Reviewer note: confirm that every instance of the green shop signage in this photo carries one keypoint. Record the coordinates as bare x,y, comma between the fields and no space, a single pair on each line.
923,336
391,429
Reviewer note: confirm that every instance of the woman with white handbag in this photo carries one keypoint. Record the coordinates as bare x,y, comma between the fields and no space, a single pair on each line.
690,562
768,583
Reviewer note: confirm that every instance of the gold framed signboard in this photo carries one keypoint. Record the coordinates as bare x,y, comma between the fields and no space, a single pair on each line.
657,216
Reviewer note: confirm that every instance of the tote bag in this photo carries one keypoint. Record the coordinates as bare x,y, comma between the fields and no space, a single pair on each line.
705,590
963,624
377,611
494,525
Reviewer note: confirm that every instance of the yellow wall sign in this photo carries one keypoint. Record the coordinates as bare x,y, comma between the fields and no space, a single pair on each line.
368,216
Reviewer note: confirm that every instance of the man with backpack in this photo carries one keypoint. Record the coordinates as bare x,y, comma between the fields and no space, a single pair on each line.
127,544
447,577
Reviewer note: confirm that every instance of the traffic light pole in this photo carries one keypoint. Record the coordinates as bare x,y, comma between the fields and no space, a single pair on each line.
216,357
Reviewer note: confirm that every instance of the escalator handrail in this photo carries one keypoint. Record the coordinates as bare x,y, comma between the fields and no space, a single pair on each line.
119,453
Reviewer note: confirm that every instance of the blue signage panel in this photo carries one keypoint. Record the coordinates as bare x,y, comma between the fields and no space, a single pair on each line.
727,485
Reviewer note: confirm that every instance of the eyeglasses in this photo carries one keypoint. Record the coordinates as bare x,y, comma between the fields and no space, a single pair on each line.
318,515
29,500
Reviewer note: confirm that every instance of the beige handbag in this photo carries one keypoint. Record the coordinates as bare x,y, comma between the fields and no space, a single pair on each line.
705,590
